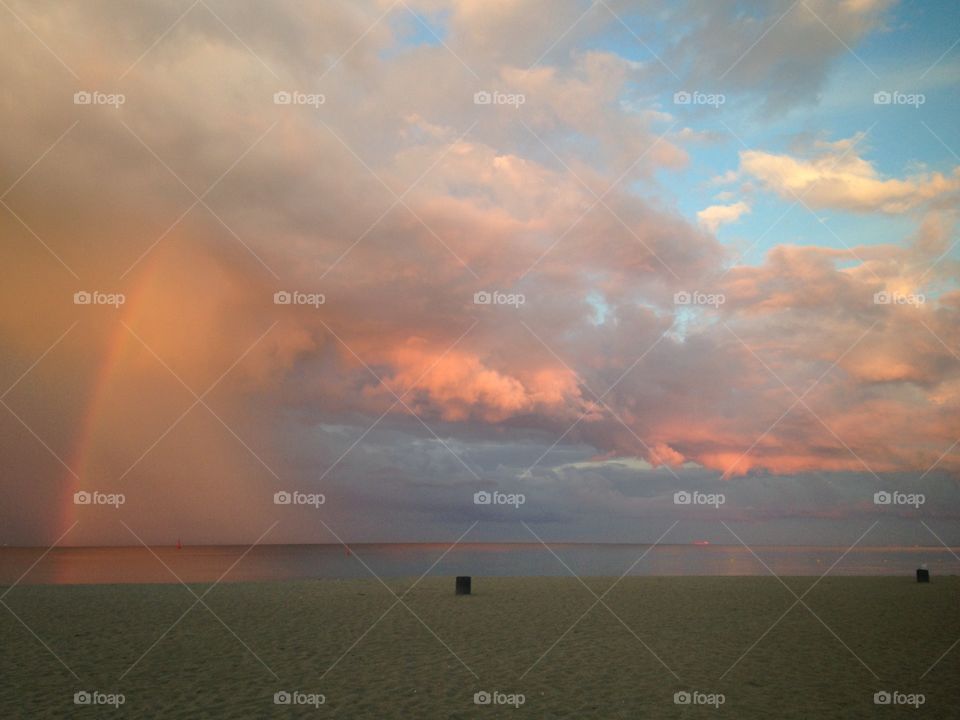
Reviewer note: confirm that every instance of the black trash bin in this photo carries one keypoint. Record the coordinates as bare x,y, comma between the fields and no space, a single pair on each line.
463,585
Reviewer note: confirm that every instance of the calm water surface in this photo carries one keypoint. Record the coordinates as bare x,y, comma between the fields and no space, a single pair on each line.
288,562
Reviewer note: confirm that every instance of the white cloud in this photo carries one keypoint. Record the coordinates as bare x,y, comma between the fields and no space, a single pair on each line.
716,215
835,177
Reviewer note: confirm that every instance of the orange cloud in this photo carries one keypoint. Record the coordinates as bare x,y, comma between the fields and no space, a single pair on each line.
458,385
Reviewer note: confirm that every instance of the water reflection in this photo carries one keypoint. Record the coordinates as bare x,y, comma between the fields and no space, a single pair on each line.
284,562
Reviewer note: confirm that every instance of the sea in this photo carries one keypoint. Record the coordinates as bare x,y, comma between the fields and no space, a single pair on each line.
210,564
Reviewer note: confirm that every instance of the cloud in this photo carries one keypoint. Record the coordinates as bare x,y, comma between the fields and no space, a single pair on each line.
778,55
716,215
305,198
462,387
835,177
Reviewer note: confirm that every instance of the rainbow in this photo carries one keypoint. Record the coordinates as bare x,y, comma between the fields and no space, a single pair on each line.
119,347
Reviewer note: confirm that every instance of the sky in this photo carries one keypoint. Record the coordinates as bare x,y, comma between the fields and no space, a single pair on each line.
395,254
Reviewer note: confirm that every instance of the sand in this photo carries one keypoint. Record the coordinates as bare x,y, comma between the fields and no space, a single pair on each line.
699,627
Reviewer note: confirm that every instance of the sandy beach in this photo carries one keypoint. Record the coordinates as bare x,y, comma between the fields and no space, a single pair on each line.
349,649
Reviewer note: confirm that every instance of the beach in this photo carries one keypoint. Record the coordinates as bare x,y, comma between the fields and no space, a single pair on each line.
544,647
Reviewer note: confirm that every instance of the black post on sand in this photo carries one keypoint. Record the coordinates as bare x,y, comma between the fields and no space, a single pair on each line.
923,575
463,585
